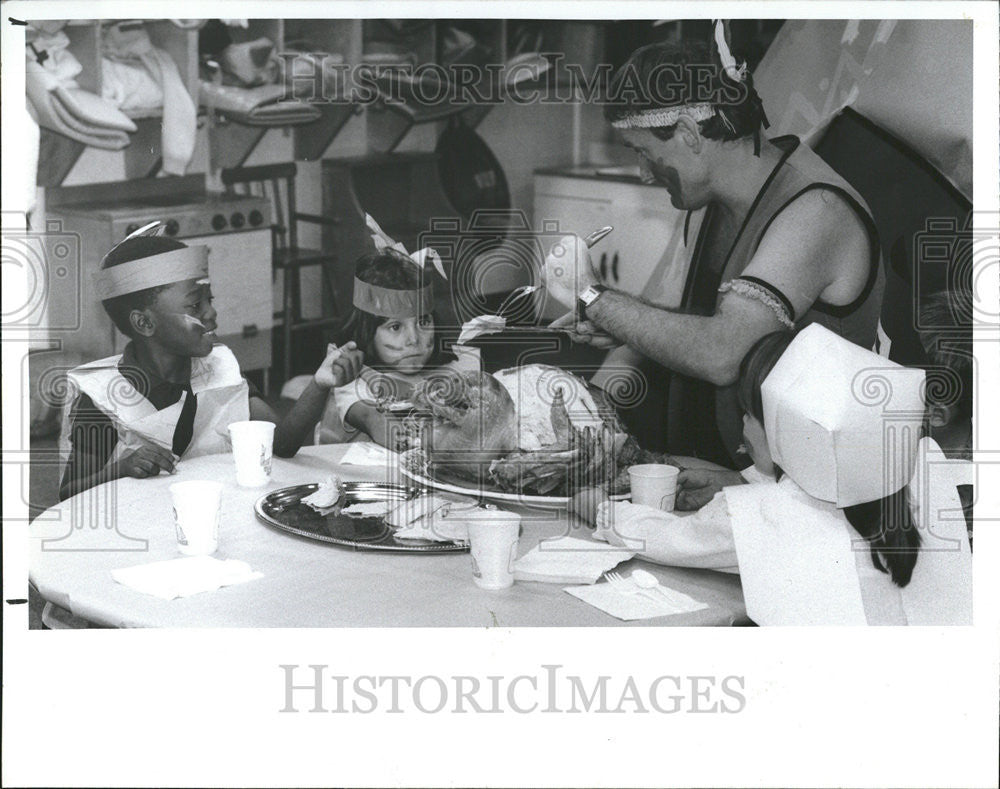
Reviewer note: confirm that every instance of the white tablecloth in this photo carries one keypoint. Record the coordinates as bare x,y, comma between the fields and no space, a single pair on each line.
75,545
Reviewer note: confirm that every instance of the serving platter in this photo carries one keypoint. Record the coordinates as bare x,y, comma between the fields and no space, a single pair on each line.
414,467
283,509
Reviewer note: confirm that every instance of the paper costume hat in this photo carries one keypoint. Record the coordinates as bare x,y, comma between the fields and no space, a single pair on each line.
841,421
177,265
390,302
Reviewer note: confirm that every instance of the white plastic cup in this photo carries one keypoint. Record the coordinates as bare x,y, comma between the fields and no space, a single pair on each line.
493,538
252,445
197,510
654,485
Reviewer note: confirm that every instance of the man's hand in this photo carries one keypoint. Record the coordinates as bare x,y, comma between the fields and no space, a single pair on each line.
146,461
584,332
698,486
340,367
568,270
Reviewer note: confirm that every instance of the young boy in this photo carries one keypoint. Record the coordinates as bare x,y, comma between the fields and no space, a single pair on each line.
174,390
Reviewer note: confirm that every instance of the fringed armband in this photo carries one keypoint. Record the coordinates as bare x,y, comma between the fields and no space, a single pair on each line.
760,291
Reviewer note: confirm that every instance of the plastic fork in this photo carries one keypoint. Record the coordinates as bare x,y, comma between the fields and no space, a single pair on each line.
625,587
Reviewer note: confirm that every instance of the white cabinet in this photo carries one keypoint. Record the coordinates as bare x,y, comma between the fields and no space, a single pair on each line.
648,235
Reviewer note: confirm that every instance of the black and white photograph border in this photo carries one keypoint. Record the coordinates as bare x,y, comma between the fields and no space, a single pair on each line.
420,688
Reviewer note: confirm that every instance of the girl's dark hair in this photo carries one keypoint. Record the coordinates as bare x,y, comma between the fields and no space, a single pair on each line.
386,268
888,527
120,307
756,366
885,523
666,75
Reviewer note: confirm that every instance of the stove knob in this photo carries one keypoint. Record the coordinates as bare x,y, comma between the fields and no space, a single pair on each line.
218,222
237,220
131,229
256,218
173,227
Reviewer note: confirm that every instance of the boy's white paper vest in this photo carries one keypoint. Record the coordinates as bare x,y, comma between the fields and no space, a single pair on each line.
222,392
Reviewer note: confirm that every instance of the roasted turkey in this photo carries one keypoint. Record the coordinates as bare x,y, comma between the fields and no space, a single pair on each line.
534,429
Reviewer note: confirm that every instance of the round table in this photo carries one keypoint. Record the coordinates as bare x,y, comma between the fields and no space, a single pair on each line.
75,545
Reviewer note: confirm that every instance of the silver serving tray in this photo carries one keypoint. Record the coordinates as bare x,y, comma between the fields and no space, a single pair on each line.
283,509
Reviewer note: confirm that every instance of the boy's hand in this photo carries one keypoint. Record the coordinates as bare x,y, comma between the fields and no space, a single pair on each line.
146,461
340,367
698,486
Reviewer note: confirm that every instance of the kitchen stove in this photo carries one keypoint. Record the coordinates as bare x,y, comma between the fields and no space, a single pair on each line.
185,215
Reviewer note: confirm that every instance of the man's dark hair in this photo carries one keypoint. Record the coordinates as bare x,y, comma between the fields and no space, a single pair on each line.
665,75
119,307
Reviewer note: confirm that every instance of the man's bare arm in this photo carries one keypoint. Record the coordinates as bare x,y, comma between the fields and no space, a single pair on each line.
706,347
816,247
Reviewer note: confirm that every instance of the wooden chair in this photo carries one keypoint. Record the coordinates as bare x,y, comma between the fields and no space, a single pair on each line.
276,182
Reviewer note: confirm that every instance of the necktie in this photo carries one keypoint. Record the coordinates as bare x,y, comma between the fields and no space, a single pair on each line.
185,424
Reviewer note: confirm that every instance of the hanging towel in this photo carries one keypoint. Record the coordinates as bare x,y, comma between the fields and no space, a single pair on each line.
61,105
130,87
28,163
129,42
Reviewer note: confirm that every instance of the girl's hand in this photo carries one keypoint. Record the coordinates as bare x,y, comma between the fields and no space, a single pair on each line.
340,367
386,389
585,503
698,486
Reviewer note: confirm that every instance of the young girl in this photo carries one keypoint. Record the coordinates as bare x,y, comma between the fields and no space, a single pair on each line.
824,532
393,325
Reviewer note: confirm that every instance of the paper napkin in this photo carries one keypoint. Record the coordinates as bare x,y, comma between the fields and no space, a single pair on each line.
184,577
365,453
480,325
568,560
629,607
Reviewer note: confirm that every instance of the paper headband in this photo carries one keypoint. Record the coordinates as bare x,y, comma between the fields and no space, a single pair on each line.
177,265
668,116
664,116
841,421
392,303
